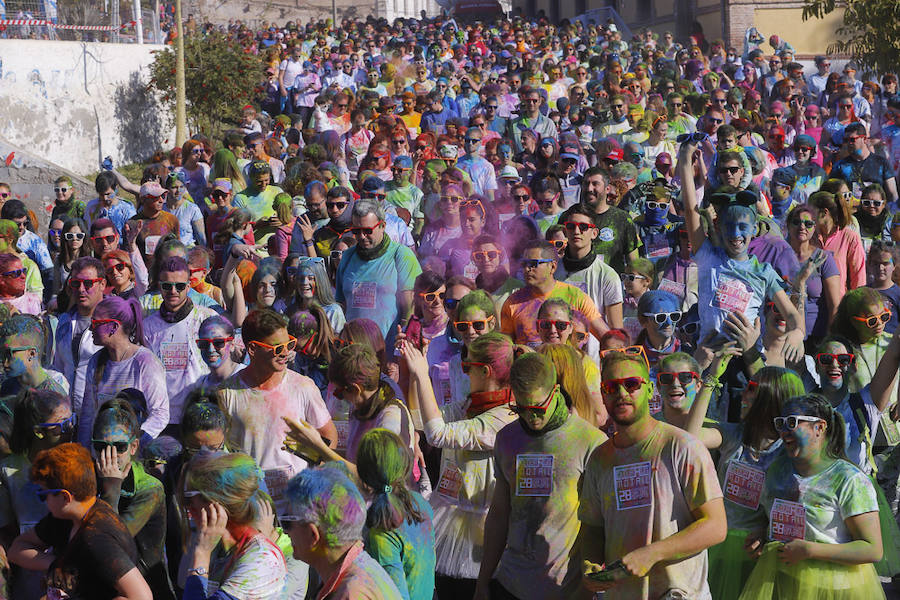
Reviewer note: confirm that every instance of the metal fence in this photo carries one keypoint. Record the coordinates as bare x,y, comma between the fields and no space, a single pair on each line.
118,21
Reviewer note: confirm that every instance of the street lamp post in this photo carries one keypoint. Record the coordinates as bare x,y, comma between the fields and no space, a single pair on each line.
180,119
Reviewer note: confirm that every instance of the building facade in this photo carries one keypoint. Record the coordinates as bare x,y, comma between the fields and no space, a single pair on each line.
720,19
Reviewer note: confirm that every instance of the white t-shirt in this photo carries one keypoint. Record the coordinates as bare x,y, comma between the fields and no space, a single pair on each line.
599,281
646,493
291,69
257,427
142,371
175,344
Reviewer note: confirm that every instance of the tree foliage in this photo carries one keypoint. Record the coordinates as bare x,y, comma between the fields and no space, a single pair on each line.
220,79
870,32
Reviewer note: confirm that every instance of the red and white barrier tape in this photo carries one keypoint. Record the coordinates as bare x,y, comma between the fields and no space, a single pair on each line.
43,23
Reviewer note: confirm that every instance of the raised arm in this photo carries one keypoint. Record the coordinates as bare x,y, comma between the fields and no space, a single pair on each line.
689,195
883,380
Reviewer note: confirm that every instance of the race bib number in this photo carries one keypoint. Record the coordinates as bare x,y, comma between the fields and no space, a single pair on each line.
787,521
659,250
632,485
673,287
890,429
731,295
470,271
443,390
450,482
534,474
656,404
744,484
363,294
174,355
150,243
277,480
343,433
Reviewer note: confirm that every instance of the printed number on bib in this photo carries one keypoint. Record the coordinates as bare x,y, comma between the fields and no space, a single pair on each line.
534,474
343,433
673,287
277,480
174,355
364,294
633,485
450,482
150,243
787,521
732,295
744,484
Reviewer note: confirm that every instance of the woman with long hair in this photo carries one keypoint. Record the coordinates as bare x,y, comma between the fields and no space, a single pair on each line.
225,166
307,282
465,430
73,245
823,286
235,230
570,375
137,497
428,305
399,529
378,158
194,171
43,419
221,495
476,217
555,325
746,450
120,275
861,319
822,514
315,344
122,362
833,233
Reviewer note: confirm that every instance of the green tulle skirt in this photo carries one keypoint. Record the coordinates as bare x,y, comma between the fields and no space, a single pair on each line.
729,566
771,579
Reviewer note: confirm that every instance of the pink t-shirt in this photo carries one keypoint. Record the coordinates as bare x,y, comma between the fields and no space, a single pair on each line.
258,430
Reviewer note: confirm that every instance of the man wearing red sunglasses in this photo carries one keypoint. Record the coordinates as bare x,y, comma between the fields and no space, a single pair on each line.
539,462
651,482
256,398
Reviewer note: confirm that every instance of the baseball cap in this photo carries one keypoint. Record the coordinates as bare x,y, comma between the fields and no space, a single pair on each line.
569,152
404,162
616,154
223,184
373,184
152,188
804,141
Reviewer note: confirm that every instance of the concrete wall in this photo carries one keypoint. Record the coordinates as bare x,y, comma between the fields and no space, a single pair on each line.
282,11
72,103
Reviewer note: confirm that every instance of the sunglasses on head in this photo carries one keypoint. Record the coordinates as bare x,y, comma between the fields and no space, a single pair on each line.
100,445
476,325
432,296
684,377
827,359
357,231
540,409
790,423
872,320
631,384
168,286
88,284
217,343
278,349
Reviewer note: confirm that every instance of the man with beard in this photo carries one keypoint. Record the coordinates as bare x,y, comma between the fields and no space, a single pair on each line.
650,503
532,527
172,331
617,239
337,207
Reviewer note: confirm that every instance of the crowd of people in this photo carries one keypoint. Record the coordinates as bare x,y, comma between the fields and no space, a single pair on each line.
516,310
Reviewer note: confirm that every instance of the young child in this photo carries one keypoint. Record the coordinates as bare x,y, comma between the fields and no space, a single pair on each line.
880,269
638,278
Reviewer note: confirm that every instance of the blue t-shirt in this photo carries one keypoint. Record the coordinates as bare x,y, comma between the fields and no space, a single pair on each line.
407,553
892,301
727,285
369,288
